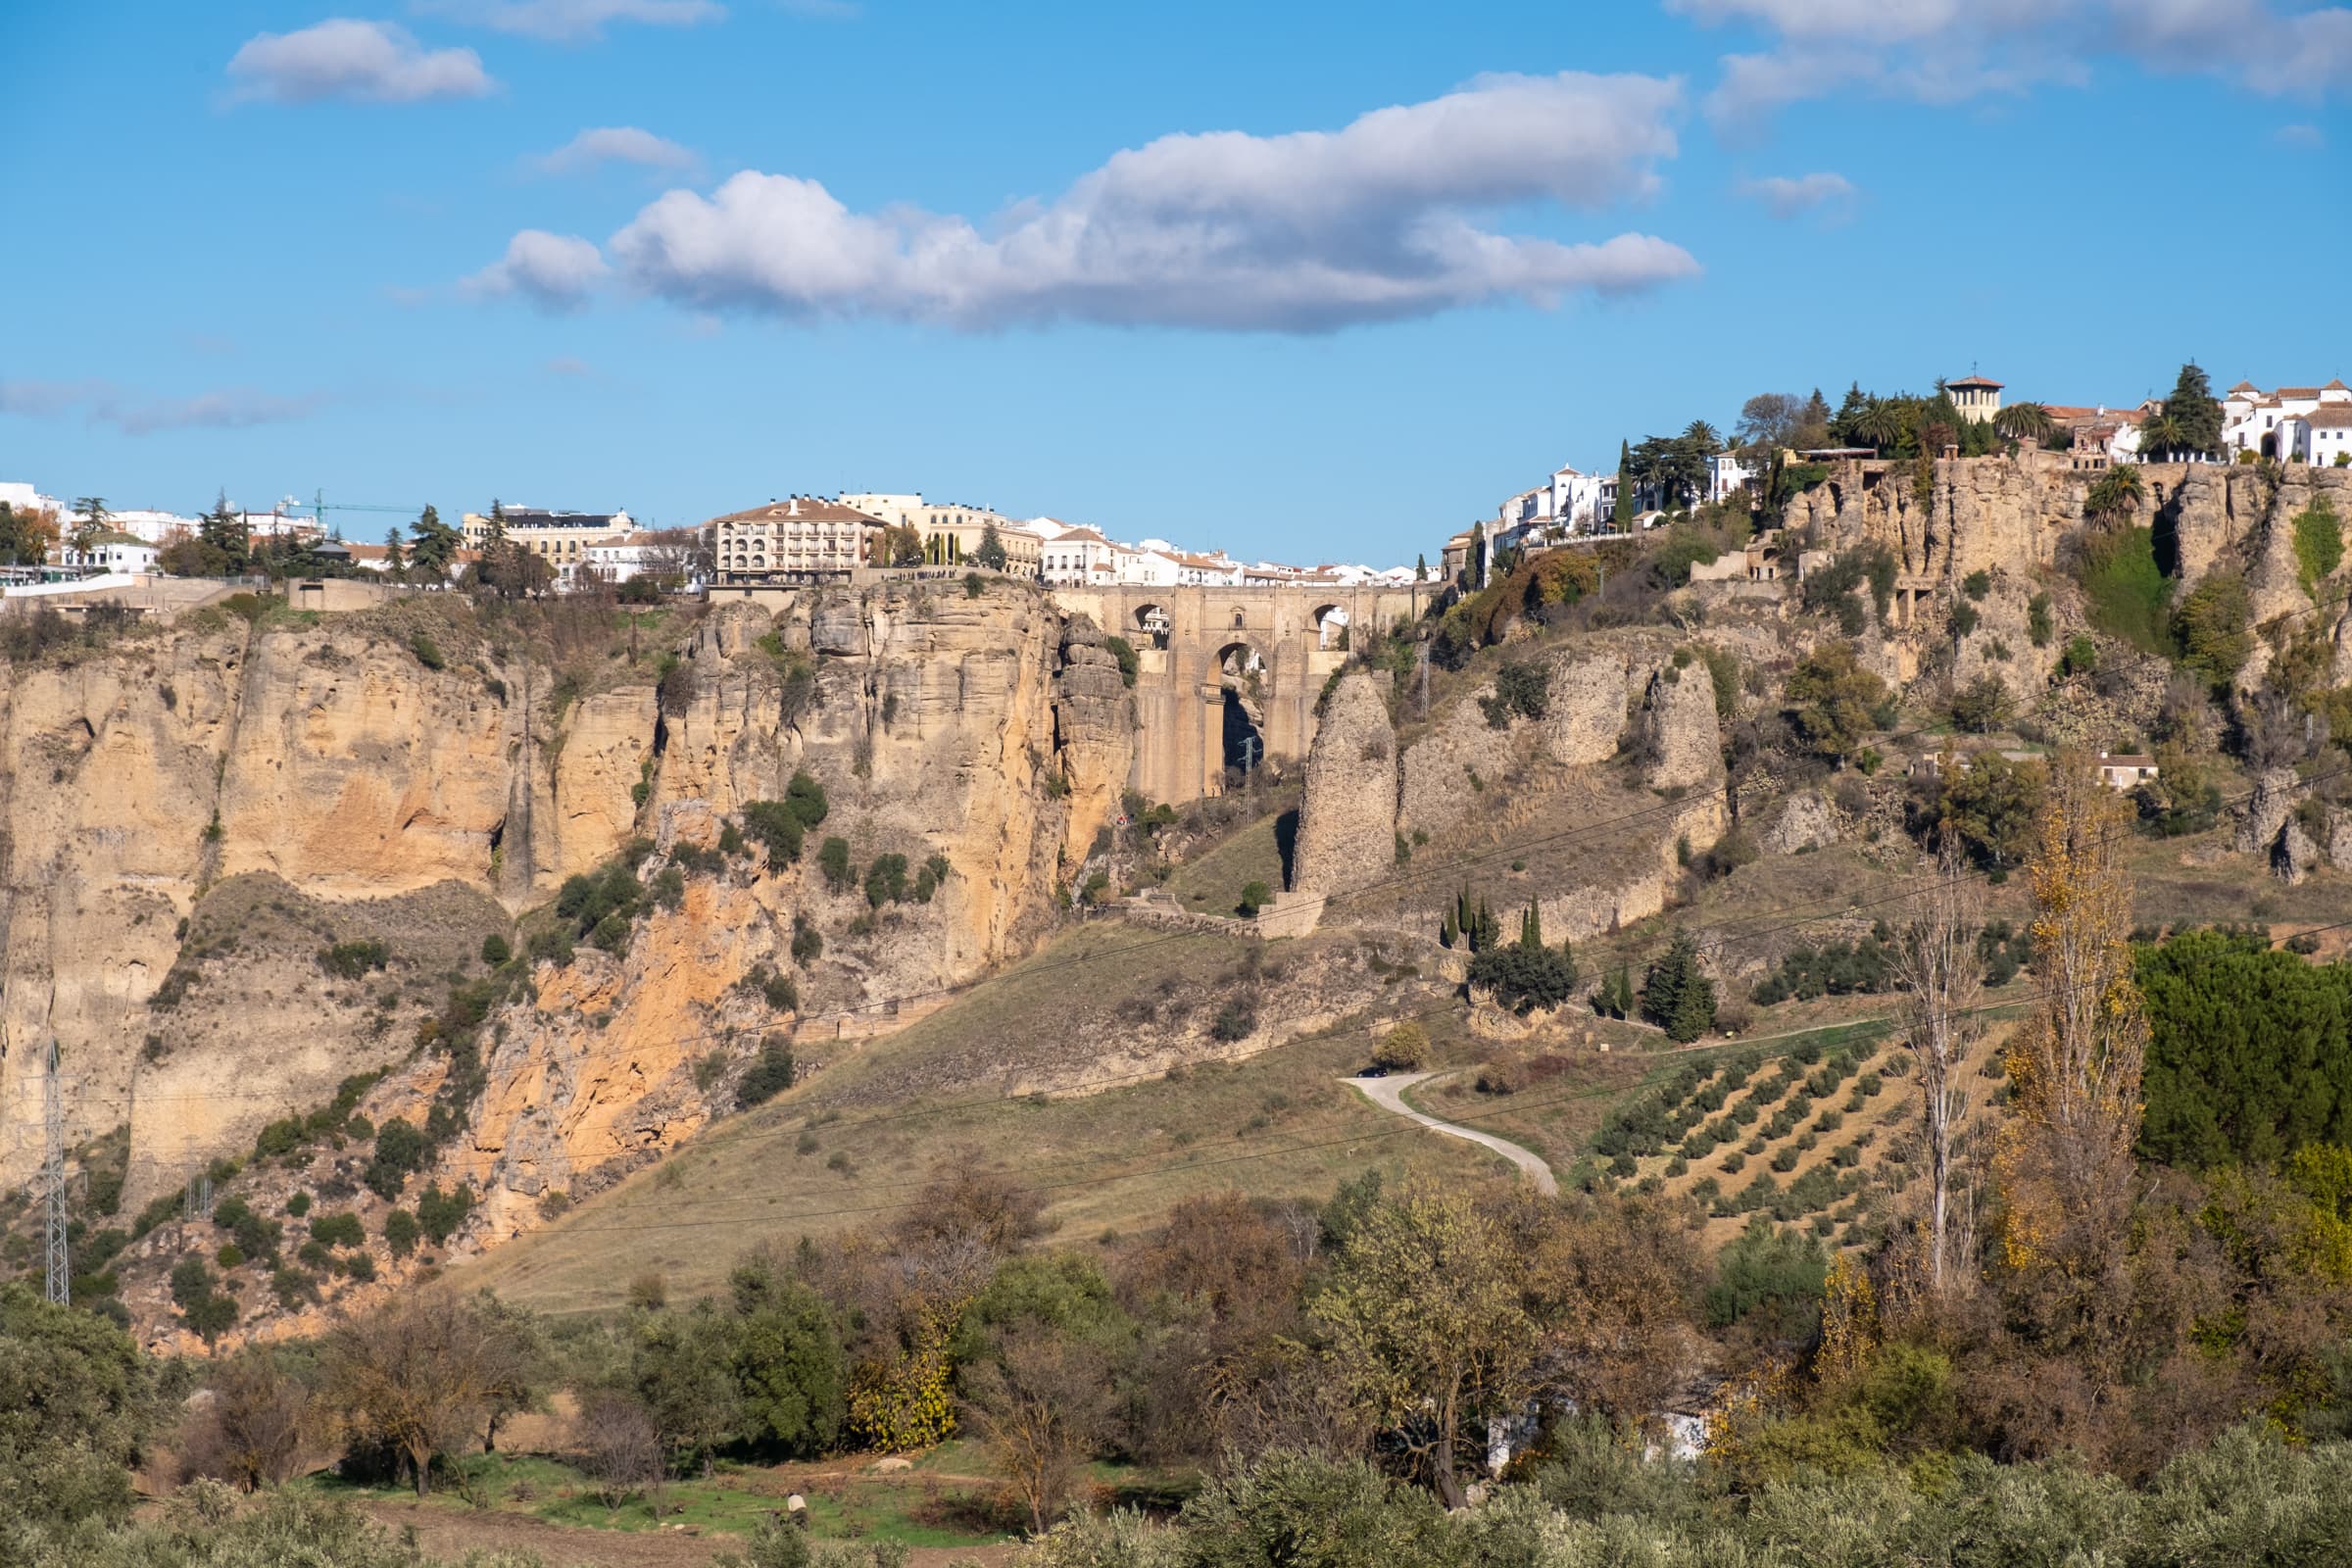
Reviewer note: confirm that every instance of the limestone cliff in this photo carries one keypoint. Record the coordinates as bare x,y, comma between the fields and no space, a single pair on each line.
191,817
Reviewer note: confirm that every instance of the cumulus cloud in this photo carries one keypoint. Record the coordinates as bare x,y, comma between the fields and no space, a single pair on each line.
572,21
554,270
375,62
615,144
1793,195
1941,51
1300,232
104,403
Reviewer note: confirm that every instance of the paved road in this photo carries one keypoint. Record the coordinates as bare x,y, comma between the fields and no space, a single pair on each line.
1389,1095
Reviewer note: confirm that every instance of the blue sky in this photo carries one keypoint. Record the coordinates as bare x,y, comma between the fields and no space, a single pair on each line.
1318,284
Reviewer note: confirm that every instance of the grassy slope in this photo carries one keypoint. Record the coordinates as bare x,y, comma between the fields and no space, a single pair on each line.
1212,883
1278,1124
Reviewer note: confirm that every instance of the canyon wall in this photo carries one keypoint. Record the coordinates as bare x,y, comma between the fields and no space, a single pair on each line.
189,815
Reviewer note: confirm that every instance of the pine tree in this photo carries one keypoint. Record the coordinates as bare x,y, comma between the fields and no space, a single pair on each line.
395,560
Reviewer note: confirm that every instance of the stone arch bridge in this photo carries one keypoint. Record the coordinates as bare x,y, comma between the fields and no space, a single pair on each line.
1223,667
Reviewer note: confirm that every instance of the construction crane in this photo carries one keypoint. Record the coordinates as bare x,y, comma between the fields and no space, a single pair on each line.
321,507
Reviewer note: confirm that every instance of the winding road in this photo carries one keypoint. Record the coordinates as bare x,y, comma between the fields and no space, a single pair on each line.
1388,1093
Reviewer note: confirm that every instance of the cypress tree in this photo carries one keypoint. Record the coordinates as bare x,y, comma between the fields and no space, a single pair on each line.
1624,514
1451,932
1676,995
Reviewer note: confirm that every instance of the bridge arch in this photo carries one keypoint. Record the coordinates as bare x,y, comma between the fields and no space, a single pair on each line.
1330,622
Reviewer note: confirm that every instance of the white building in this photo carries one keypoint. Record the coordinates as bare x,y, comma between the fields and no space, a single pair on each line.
1575,500
635,554
111,550
1977,397
1726,475
1077,556
2280,424
1214,569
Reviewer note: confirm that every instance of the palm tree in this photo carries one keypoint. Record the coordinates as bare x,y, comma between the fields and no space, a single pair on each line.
2162,434
2021,421
2115,495
1881,424
1702,437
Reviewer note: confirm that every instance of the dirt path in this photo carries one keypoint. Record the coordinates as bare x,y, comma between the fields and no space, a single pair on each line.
1389,1095
450,1534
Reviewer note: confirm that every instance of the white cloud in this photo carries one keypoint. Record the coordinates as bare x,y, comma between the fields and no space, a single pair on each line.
104,403
619,144
1299,232
1942,51
572,21
375,62
554,270
1793,195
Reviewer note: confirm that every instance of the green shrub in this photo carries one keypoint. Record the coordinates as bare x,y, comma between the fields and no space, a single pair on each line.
1129,662
2038,625
2214,627
1255,896
769,1076
338,1230
427,652
439,1213
2319,543
496,950
2081,658
834,861
1977,584
807,942
401,1231
886,880
2128,594
1404,1048
401,1150
350,960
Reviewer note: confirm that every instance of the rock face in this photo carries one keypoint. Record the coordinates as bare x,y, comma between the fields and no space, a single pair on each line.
1682,742
1585,716
421,802
2296,857
1808,822
2267,810
1449,770
1347,818
2001,643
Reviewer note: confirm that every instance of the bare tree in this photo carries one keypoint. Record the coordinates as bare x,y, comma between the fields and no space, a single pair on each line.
1041,1404
248,1427
620,1448
1941,976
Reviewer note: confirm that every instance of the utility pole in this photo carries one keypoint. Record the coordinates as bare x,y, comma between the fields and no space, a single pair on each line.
59,1284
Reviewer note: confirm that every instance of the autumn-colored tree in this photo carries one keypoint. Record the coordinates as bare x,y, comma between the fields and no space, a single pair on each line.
1941,975
1425,1322
2065,1164
417,1376
1041,1403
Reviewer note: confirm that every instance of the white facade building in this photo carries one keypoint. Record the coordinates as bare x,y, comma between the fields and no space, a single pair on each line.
1726,474
1075,556
1575,500
111,550
2282,425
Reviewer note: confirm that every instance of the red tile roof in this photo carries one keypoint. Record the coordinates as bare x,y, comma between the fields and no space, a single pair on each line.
805,509
1975,380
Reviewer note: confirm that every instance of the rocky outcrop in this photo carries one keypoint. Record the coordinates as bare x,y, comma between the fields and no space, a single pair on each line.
1348,817
1449,770
1807,822
2295,857
1093,732
1682,743
2000,643
2272,802
1584,716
